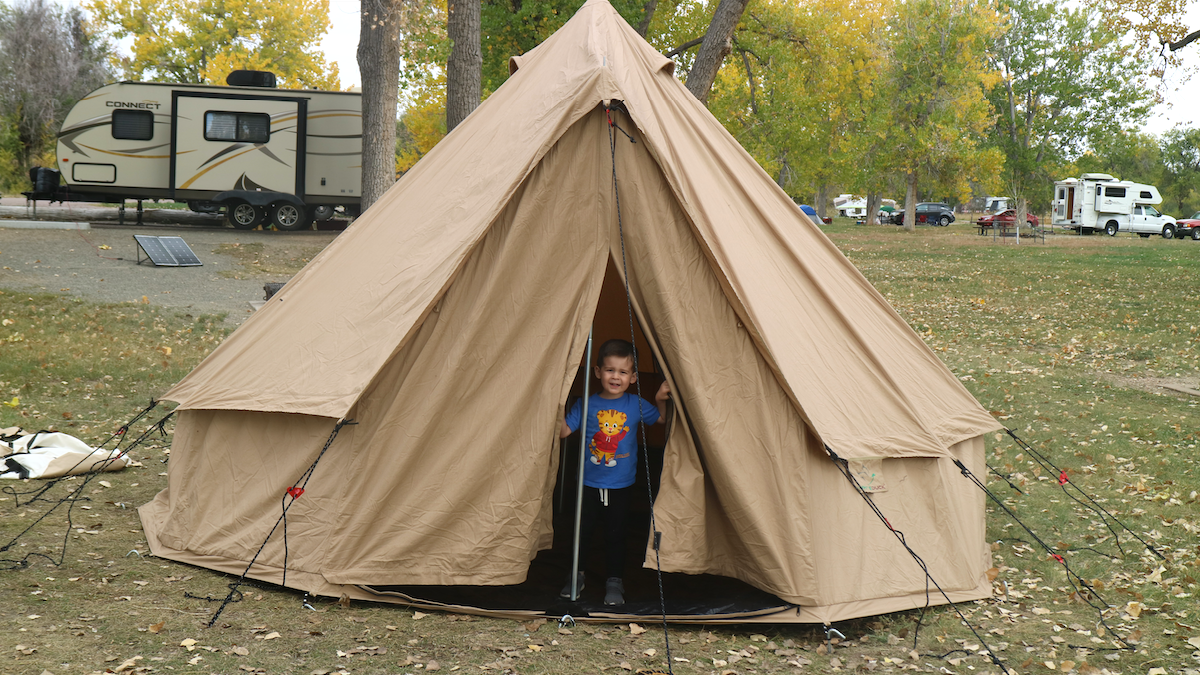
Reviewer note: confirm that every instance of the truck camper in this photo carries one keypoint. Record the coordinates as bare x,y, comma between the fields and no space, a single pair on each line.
260,154
1099,202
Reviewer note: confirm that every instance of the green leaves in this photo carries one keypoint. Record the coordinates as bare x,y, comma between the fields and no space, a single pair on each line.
202,41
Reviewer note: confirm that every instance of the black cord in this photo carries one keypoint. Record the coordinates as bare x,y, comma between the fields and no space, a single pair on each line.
1091,504
662,598
844,467
296,489
1072,577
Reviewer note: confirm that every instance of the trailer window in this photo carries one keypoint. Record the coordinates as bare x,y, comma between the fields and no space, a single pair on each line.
1114,192
133,125
240,127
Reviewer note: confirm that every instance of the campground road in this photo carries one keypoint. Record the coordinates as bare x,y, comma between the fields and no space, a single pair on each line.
71,262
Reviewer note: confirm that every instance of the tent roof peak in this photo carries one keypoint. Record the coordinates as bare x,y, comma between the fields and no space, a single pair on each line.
603,34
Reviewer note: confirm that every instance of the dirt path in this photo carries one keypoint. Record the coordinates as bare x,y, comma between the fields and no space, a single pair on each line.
236,265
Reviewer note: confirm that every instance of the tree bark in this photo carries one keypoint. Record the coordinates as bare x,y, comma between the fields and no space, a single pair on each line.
822,201
910,201
718,42
874,200
379,63
464,69
1185,41
647,17
1022,212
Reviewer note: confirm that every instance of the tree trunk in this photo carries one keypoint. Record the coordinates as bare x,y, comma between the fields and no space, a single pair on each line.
379,64
822,200
1022,211
464,69
647,17
717,44
874,199
910,202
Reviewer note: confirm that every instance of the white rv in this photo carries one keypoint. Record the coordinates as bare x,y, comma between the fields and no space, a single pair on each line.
264,155
1097,201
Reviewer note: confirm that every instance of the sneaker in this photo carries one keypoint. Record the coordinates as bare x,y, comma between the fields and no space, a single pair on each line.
614,591
566,591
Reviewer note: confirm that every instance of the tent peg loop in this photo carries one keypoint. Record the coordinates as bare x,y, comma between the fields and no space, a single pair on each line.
566,620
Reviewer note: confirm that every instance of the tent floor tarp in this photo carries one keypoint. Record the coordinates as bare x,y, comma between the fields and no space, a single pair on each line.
687,597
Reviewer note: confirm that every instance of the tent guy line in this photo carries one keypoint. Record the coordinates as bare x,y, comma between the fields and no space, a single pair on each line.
1073,577
293,492
612,148
1064,480
843,467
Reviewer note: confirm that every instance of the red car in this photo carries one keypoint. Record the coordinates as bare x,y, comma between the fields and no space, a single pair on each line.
1006,218
1188,227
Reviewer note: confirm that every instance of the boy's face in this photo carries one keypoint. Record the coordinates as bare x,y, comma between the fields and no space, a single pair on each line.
615,375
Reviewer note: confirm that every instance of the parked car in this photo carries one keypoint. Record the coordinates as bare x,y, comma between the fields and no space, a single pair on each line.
1188,227
930,213
1005,218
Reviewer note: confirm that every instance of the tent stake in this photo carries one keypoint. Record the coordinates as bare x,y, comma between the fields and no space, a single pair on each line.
587,381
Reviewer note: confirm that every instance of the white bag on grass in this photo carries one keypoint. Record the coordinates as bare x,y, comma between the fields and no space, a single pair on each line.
50,455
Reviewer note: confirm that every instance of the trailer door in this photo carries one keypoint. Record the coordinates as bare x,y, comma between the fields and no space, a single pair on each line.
232,141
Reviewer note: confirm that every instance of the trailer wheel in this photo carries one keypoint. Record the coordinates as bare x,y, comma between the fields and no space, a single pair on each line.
1111,228
1168,231
289,217
244,216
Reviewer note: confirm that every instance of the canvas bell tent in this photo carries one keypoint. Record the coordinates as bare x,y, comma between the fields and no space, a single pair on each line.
449,323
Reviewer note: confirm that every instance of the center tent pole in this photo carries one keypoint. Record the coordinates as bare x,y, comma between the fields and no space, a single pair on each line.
583,439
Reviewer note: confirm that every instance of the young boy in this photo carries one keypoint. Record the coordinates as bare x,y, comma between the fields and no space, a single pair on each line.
611,465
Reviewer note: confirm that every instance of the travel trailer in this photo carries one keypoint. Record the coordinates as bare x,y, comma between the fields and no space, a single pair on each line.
260,154
849,206
1100,202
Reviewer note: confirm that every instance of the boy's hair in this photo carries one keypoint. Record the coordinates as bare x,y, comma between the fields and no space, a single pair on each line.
618,348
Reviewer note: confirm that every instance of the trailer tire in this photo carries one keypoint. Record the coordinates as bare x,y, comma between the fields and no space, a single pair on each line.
288,217
1168,231
1110,228
243,215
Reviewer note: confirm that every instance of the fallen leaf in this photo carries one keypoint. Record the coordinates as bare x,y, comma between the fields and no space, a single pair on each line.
993,573
128,665
757,637
624,665
432,665
241,651
531,626
197,658
635,629
272,635
835,662
535,648
189,643
1194,641
1066,666
1157,671
419,615
650,652
156,628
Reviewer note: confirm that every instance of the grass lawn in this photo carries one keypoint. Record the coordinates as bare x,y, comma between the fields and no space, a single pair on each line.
1069,343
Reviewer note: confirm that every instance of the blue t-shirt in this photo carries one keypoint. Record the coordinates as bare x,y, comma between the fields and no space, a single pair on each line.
612,435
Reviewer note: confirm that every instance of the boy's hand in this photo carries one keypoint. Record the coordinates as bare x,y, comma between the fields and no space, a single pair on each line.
664,393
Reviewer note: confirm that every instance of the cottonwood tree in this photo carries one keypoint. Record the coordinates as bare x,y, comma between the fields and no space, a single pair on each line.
379,65
1068,82
464,68
1181,157
937,82
797,90
48,60
199,42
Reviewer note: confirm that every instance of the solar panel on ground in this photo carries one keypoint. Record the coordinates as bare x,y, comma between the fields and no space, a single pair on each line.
166,251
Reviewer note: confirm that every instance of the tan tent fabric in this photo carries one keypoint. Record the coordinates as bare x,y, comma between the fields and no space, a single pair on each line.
448,322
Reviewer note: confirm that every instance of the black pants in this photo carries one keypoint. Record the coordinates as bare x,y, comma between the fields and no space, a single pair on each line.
612,519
